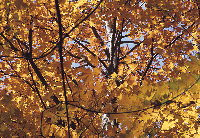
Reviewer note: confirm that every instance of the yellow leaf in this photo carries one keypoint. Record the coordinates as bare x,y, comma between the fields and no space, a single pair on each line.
195,48
98,86
183,69
93,60
46,130
114,75
171,65
133,66
168,124
124,85
160,70
120,68
151,34
120,96
192,130
96,71
150,97
89,78
128,59
91,23
145,118
198,130
159,51
132,80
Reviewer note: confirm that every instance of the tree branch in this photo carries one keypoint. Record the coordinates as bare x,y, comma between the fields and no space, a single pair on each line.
29,58
90,52
36,89
20,42
84,19
61,62
122,42
97,35
131,50
12,46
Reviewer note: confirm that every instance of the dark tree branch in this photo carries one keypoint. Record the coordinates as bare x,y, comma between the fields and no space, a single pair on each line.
44,28
73,55
148,65
12,46
28,55
118,42
36,89
131,50
75,82
20,42
198,5
47,53
61,62
84,19
30,42
87,49
173,41
152,48
126,35
97,35
102,43
29,58
122,42
69,85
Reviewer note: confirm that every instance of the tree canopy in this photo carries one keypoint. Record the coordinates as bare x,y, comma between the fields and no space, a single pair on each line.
99,68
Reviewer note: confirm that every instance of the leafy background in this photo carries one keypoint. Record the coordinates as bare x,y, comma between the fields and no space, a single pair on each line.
59,79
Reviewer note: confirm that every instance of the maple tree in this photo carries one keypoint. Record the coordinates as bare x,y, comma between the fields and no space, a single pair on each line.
104,68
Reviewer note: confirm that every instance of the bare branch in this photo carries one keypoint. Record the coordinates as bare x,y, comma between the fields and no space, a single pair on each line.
122,42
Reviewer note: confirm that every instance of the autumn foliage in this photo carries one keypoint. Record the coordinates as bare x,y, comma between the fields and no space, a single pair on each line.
66,66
